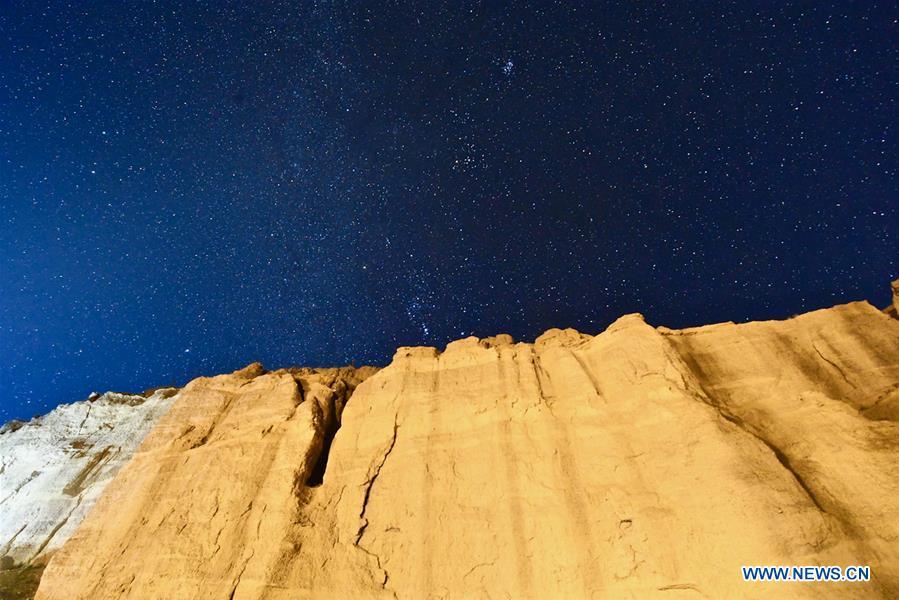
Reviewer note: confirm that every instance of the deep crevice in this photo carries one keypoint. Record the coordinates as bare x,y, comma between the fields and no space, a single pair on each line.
317,475
335,407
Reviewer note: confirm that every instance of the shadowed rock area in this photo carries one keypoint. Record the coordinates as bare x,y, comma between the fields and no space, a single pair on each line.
639,462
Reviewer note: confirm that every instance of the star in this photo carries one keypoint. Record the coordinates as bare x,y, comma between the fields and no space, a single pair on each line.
308,182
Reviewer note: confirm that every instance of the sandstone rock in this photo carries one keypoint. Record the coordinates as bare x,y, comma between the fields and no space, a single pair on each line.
639,462
53,468
893,309
214,491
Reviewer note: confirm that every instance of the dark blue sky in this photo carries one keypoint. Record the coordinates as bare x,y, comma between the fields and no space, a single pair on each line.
190,186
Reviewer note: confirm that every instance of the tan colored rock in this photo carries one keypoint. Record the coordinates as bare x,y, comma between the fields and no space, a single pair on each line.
212,486
640,462
893,309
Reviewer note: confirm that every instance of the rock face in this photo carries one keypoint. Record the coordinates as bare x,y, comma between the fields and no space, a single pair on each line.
53,469
638,462
893,309
214,491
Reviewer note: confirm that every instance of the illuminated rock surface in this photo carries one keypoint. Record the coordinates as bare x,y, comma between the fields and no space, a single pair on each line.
638,462
53,469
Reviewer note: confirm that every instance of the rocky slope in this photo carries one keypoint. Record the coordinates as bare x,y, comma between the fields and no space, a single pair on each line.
53,469
638,462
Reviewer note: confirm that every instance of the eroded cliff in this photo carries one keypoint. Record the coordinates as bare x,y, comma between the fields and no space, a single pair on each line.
53,469
638,462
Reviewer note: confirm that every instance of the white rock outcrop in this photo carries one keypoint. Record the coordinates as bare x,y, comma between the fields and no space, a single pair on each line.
54,467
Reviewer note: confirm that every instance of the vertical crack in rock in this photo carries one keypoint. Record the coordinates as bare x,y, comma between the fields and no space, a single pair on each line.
371,482
369,486
55,530
785,461
240,575
12,540
590,376
19,487
834,365
540,374
84,420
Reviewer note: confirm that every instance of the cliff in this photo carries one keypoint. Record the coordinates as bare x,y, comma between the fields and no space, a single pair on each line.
639,462
53,469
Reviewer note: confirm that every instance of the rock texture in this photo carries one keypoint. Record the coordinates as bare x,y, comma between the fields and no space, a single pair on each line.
893,309
209,500
53,468
639,462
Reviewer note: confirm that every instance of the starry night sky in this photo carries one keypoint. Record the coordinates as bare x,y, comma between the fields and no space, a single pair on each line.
187,187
